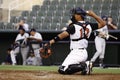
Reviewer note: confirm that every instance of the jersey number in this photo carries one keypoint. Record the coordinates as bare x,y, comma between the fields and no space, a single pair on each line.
84,33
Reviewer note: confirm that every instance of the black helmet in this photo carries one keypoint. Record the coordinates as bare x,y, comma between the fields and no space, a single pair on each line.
78,11
104,18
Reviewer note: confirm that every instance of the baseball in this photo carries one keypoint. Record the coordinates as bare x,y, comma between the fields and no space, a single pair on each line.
87,12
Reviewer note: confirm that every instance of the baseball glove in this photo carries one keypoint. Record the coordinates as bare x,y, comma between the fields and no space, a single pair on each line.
45,51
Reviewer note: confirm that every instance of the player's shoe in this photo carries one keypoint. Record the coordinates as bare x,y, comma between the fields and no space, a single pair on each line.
102,66
89,67
14,64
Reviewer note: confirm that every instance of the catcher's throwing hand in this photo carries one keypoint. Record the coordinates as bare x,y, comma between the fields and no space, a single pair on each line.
45,51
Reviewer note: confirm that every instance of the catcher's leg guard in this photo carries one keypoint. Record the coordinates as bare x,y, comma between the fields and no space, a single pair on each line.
72,68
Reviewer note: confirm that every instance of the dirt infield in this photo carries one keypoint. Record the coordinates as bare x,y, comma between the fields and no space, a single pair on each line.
50,75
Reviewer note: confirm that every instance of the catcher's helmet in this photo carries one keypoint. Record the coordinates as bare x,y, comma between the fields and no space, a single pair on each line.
78,11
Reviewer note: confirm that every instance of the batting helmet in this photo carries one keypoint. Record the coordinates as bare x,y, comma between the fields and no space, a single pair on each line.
104,18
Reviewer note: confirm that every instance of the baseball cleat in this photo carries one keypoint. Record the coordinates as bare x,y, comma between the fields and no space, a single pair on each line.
89,67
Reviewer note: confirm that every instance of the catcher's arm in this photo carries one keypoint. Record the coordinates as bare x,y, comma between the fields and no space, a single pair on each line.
101,23
60,36
46,51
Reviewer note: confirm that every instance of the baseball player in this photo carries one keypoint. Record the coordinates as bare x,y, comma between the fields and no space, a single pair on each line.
22,24
8,58
111,24
20,46
31,60
100,42
79,32
36,37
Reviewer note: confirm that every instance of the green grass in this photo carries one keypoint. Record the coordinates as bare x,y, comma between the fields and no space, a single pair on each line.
107,70
55,68
47,68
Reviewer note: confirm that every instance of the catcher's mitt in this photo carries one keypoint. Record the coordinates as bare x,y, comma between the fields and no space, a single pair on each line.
45,51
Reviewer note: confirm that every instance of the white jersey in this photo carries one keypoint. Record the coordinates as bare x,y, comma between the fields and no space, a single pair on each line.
37,36
19,36
104,30
79,33
31,61
26,27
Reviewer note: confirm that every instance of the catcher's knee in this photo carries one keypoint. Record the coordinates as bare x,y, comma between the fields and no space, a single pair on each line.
72,68
61,70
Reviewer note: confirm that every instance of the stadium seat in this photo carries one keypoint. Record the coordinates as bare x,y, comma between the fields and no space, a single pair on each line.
13,19
1,25
48,19
69,7
25,13
46,2
56,19
36,8
39,20
36,25
59,13
53,26
71,2
55,2
42,13
52,8
45,26
31,19
30,25
33,14
65,19
105,12
9,26
63,2
50,13
44,8
62,25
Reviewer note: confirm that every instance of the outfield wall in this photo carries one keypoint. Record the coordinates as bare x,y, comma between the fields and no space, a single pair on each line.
61,49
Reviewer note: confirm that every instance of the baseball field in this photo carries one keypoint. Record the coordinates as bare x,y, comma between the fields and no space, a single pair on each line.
8,72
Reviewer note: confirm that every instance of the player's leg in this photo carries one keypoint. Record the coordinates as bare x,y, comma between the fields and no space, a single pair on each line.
13,54
24,53
38,57
74,62
101,57
98,45
73,68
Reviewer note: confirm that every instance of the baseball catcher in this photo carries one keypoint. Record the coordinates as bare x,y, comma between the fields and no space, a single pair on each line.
79,32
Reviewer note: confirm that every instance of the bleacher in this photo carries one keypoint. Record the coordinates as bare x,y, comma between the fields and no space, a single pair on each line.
54,14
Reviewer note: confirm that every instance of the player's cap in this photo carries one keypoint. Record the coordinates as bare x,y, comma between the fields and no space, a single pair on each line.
104,17
34,30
